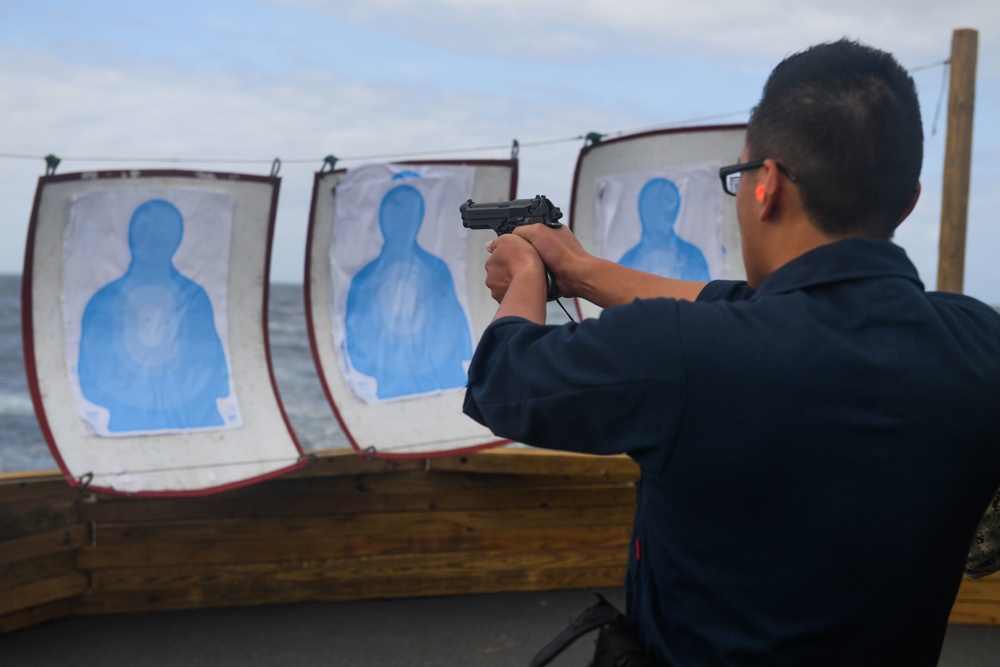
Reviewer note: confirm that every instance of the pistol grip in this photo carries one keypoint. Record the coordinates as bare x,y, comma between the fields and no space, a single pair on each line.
551,291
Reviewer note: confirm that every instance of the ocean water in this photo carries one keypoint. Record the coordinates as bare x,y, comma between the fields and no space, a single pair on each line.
22,446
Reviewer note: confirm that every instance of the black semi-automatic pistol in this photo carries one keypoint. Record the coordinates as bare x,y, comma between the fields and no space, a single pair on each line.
503,216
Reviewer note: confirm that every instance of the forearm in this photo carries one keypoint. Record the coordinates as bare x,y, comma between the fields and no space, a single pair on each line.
605,283
600,281
525,297
516,277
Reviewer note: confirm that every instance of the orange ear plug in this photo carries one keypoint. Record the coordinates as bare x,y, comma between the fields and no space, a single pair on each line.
759,193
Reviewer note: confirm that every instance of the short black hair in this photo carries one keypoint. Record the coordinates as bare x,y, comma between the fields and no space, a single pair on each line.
844,117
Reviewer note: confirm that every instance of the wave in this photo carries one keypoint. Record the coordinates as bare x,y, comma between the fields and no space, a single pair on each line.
16,405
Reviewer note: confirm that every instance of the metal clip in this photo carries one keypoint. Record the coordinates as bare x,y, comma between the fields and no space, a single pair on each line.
83,483
51,162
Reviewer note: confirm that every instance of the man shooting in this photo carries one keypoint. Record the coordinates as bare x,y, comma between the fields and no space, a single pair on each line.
818,443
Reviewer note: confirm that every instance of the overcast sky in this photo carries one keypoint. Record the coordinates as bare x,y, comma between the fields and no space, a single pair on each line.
250,80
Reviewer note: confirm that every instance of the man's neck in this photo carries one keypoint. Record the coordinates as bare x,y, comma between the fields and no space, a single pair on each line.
784,240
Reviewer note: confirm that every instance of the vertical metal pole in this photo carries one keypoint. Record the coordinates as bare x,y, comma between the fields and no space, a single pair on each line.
957,160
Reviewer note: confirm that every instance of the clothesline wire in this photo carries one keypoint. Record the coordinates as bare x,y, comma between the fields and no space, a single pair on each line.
358,158
938,63
305,459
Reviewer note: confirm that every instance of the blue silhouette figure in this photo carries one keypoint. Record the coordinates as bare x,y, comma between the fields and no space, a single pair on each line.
404,325
659,249
149,349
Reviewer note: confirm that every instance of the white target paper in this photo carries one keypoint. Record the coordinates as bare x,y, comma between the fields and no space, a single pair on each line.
400,314
145,310
691,227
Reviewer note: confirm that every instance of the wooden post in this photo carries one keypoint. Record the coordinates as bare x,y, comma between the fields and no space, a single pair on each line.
957,160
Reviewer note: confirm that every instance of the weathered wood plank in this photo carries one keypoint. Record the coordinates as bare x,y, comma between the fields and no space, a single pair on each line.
25,618
268,592
42,591
215,554
36,515
261,540
399,567
521,461
403,482
385,577
41,544
22,572
359,495
358,537
14,490
535,462
443,522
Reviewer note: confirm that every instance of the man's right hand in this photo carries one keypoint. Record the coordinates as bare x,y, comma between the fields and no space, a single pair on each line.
562,254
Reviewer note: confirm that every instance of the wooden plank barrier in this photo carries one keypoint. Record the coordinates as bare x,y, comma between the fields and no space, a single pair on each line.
348,528
39,536
345,528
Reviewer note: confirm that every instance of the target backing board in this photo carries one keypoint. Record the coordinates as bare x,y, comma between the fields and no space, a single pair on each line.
653,201
144,316
396,300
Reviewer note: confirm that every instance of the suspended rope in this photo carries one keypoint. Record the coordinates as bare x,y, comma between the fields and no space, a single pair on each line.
329,161
940,102
310,160
921,68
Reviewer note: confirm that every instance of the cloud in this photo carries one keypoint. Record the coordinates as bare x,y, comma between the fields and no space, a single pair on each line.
77,110
762,31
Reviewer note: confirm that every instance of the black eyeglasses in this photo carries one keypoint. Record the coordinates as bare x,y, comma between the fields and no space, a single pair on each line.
730,176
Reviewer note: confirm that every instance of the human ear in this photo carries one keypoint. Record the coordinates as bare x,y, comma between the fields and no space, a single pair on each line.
768,187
